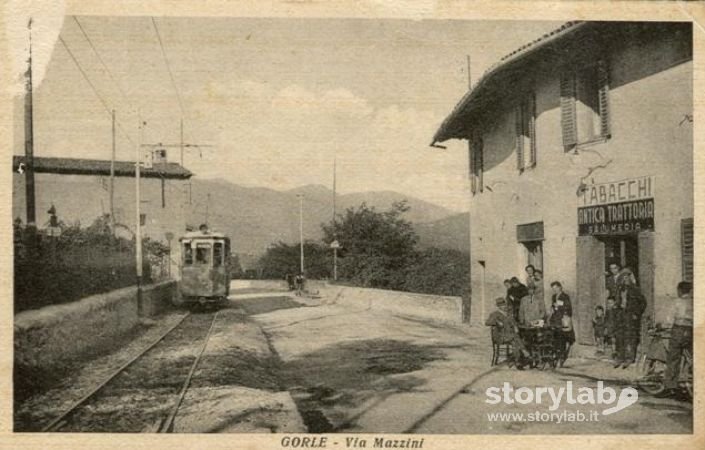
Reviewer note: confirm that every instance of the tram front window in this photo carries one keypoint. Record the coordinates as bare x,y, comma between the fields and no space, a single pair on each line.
218,254
203,252
188,254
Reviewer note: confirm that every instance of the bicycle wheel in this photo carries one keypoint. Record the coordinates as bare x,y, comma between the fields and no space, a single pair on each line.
651,379
687,371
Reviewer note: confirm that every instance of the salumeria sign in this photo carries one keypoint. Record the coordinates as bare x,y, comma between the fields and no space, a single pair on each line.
617,207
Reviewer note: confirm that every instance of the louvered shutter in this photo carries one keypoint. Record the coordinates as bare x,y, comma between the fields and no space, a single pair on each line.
687,248
531,111
480,158
471,165
519,137
603,93
569,123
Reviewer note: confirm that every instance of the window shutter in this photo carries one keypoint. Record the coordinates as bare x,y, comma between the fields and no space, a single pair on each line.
531,111
471,165
687,248
480,158
603,93
568,115
519,137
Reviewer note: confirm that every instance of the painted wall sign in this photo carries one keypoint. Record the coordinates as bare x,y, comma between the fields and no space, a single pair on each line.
625,206
630,189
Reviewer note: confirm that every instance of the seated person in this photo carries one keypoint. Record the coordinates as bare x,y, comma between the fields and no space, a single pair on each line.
505,330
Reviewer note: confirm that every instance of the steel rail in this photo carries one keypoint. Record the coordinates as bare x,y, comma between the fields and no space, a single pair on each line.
58,423
168,425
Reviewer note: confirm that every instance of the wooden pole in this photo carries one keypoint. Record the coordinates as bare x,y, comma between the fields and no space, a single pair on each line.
112,179
29,140
301,230
469,75
138,214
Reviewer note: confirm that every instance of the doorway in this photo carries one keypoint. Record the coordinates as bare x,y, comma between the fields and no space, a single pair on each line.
623,249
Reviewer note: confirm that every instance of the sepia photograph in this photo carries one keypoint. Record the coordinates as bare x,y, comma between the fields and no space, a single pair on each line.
352,232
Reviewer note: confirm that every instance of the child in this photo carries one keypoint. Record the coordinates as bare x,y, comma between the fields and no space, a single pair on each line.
611,324
598,326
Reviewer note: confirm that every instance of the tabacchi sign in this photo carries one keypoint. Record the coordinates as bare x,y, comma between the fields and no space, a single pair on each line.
617,207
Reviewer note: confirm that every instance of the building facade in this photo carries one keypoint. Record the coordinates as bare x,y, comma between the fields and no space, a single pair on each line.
79,190
581,153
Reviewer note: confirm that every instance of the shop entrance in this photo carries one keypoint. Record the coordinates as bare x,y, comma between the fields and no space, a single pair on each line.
593,255
623,250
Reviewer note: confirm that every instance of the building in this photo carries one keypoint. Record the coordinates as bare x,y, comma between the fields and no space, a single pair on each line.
581,153
79,190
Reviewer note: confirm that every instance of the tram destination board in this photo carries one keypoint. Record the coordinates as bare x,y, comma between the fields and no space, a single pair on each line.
616,218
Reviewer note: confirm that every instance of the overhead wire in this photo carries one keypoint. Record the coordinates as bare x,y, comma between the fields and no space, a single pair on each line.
95,90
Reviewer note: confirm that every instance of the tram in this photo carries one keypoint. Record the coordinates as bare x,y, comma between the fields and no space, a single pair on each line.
205,267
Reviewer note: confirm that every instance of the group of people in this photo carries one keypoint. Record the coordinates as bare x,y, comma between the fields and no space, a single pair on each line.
617,324
296,283
524,307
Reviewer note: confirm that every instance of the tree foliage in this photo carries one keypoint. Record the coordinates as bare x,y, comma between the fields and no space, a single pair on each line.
281,259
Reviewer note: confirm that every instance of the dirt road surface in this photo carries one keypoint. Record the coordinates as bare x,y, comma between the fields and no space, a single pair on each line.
357,370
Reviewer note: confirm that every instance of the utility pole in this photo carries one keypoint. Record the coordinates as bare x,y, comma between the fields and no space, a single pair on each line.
112,180
138,215
29,139
335,225
208,203
469,75
301,229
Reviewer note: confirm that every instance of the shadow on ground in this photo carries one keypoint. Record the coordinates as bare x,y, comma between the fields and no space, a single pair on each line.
262,305
353,377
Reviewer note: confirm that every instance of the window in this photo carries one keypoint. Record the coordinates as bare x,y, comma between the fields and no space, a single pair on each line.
585,105
203,253
188,254
531,236
525,124
687,248
476,157
218,254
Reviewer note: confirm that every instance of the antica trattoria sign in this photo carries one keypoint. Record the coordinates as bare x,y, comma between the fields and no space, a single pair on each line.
625,206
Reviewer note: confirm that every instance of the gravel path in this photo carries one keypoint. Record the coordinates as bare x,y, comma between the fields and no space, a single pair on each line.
39,410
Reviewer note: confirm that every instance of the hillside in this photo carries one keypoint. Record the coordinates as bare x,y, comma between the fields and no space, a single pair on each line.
257,217
449,232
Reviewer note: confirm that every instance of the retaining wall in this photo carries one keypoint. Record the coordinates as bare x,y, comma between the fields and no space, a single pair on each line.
47,337
259,284
432,307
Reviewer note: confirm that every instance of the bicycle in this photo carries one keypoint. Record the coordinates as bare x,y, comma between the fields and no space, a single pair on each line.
653,364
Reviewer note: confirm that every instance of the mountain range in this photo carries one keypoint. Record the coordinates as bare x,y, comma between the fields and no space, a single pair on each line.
256,217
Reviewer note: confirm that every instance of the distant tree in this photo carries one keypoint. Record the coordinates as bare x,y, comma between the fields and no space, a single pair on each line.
439,271
281,259
376,247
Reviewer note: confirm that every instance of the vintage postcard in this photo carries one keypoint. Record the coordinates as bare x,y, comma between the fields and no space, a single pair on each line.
352,225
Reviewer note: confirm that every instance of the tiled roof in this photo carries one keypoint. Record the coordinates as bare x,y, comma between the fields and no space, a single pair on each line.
444,133
76,166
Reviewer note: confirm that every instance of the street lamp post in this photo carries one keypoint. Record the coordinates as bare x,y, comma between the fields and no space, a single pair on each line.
301,229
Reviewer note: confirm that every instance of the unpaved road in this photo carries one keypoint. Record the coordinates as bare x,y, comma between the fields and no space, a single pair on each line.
284,364
357,370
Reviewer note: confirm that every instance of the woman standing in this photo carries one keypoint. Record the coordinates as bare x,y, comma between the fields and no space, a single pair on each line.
562,321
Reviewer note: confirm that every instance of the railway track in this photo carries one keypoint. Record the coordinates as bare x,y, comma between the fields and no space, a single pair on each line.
145,393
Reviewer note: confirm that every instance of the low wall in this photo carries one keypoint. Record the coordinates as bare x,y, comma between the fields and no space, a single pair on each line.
432,307
259,284
50,336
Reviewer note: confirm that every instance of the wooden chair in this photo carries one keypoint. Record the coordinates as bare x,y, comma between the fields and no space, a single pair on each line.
500,346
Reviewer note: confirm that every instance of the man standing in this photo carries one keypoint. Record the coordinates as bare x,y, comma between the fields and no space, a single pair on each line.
531,308
516,293
633,305
612,281
681,336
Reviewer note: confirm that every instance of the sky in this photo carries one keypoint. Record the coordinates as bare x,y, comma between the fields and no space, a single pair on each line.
276,100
